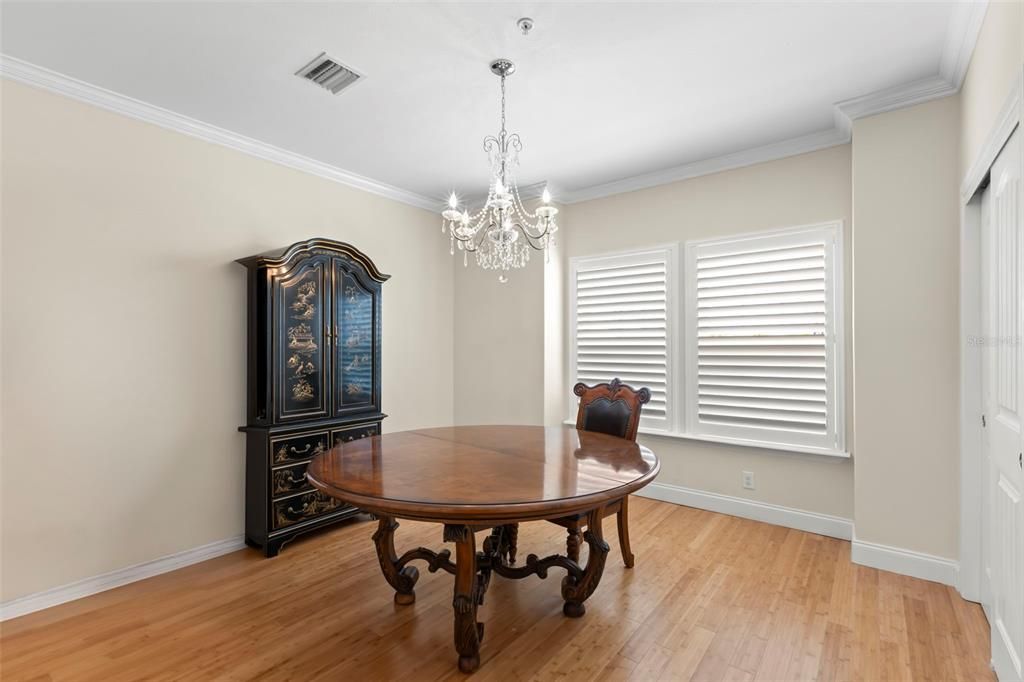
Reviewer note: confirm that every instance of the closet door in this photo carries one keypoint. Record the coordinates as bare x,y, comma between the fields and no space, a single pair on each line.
356,344
300,341
1003,393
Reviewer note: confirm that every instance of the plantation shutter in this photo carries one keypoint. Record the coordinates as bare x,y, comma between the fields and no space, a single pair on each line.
761,335
621,319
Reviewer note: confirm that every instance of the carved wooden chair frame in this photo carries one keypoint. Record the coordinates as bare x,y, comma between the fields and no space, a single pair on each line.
635,399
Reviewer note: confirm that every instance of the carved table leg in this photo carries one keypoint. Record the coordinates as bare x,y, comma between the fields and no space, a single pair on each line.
623,519
468,632
513,541
575,591
402,579
572,543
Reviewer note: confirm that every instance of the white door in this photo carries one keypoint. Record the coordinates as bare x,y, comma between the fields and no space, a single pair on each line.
1003,393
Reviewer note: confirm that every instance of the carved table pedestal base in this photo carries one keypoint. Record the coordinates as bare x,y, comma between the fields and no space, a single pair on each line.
472,570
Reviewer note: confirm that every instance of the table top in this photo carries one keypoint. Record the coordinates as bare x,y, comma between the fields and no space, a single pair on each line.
483,473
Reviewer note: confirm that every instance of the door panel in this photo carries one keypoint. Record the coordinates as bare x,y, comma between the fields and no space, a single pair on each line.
355,346
1003,275
299,354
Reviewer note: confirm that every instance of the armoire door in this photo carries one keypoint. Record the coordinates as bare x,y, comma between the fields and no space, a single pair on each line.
356,345
301,341
1003,395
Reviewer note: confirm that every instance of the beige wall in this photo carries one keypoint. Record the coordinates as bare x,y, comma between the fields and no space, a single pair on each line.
123,329
906,288
799,190
995,65
499,344
555,332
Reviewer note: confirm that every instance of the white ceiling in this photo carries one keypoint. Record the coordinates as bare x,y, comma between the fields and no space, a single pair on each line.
603,91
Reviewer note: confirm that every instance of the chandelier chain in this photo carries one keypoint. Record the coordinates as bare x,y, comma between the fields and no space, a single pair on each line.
503,134
503,106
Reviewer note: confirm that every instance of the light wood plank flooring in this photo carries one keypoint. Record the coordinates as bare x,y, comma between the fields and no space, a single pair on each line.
712,597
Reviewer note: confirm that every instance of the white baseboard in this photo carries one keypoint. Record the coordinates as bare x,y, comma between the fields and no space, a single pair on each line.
894,559
812,522
905,562
123,576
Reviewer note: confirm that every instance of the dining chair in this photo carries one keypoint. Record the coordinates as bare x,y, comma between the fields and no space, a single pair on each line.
612,408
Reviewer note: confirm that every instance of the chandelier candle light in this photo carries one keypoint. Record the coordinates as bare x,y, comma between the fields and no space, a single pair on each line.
503,232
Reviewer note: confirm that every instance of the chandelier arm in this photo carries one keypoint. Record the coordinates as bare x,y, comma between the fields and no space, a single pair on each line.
479,234
467,238
531,238
543,228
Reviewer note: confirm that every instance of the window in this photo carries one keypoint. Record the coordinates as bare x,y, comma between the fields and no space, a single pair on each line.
758,359
622,310
763,338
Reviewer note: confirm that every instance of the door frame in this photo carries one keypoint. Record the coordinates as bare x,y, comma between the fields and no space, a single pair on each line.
971,437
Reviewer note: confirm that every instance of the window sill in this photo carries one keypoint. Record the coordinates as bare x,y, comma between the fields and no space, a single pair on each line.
764,445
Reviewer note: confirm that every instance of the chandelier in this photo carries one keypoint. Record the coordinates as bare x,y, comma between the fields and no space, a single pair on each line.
504,231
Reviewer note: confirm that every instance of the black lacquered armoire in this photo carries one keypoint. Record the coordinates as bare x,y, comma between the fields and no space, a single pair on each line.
314,331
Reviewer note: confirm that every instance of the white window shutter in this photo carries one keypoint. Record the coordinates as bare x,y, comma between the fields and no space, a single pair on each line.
621,320
764,338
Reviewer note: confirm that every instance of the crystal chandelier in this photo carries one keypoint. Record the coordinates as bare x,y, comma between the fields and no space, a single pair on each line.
503,232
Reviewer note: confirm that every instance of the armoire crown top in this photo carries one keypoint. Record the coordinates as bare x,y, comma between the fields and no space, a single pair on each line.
316,246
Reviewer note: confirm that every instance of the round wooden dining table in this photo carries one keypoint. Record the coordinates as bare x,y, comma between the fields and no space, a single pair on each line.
476,478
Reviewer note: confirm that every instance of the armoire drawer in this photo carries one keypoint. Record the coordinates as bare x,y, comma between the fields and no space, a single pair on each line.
299,508
298,448
354,433
288,480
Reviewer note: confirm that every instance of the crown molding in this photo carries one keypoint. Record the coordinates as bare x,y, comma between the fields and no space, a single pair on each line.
30,74
961,38
897,97
843,114
740,159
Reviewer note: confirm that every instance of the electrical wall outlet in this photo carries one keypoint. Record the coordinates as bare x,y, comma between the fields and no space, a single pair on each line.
748,480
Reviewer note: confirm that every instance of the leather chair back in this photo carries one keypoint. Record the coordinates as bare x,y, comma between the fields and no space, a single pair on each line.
612,408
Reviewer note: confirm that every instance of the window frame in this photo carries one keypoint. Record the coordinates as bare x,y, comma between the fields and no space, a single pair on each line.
834,441
680,407
669,254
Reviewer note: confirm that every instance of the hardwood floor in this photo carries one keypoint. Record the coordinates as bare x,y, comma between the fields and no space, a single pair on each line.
712,597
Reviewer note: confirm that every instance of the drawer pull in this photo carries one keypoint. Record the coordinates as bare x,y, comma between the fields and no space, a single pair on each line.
358,435
311,506
286,452
286,480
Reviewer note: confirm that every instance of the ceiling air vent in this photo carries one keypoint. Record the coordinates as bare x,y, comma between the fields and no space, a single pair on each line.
329,74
